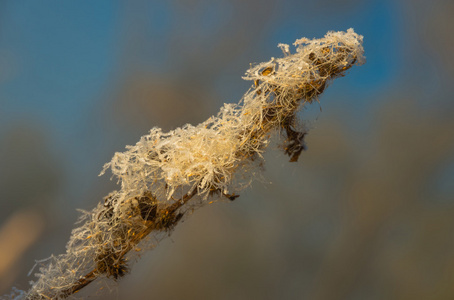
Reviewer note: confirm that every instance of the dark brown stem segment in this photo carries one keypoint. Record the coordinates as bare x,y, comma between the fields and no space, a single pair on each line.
81,283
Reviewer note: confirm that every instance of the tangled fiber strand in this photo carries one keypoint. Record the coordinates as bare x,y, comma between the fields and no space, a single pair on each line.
167,175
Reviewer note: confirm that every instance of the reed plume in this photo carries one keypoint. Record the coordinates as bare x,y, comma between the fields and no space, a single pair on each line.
167,175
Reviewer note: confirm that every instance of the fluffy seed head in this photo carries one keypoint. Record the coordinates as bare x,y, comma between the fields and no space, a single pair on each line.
166,174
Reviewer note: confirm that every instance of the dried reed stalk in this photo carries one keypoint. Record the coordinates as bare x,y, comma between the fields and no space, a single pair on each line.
165,176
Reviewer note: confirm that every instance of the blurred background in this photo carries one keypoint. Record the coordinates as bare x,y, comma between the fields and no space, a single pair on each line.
366,213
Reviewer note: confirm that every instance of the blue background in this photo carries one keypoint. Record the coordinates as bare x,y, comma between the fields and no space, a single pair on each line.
367,212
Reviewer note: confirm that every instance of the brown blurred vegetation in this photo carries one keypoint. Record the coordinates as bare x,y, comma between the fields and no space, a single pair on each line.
365,214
